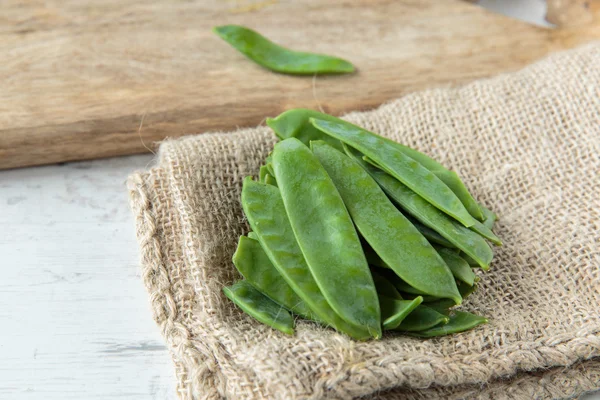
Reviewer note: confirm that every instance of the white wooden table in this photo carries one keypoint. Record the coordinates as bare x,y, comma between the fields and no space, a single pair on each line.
75,319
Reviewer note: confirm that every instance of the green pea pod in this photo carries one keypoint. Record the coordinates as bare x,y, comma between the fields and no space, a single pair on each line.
256,268
269,180
380,223
463,238
466,290
263,172
326,234
400,166
252,235
422,318
295,123
260,307
266,214
459,267
385,287
394,311
489,217
277,58
459,322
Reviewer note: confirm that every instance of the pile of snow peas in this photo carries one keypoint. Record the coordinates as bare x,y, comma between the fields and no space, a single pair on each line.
357,232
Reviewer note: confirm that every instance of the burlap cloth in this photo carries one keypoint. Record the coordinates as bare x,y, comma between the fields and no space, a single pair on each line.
527,145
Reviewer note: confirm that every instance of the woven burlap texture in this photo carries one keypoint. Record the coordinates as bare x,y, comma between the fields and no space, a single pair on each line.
528,146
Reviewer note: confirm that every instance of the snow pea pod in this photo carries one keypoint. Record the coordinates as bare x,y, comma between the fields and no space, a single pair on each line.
260,307
442,306
394,311
463,238
266,214
459,322
325,233
459,267
256,268
422,318
277,58
381,223
270,169
400,166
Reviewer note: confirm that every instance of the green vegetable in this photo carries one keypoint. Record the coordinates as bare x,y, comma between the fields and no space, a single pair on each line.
459,267
326,234
422,318
277,58
400,166
256,268
379,222
463,238
459,322
260,307
266,214
394,311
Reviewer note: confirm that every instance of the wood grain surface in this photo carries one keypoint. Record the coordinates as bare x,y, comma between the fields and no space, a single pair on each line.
79,79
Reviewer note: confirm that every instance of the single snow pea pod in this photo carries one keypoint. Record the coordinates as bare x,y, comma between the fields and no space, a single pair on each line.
394,311
277,58
459,267
461,237
489,217
325,233
385,287
269,180
466,290
295,123
388,232
422,318
266,214
256,268
262,173
460,321
400,166
260,307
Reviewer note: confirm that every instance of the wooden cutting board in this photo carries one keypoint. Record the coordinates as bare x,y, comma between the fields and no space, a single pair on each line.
78,79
